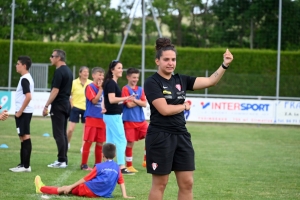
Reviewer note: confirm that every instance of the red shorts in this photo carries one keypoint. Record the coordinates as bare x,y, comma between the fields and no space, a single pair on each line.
136,133
83,191
94,134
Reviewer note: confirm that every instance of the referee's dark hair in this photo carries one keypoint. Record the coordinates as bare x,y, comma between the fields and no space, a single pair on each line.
109,150
25,60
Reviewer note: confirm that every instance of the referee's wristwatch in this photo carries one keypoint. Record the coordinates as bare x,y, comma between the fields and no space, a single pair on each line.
224,66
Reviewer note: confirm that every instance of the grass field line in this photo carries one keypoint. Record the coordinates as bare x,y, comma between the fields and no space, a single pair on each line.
64,176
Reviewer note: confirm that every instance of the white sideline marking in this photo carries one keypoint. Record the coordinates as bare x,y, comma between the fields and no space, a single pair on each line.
64,175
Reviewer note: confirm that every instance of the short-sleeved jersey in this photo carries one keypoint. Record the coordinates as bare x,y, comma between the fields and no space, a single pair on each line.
111,86
25,85
174,92
62,80
103,178
77,93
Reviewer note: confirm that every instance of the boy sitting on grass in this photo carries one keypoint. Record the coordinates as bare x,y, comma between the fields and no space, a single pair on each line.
100,182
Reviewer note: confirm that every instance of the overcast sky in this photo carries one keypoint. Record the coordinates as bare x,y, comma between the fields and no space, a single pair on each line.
115,3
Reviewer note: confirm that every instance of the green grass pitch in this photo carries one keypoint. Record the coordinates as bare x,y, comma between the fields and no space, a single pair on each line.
233,162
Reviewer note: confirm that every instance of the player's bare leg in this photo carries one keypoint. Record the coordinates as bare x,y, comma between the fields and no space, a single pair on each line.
70,131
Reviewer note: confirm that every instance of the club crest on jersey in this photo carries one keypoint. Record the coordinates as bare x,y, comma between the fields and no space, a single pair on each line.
178,86
154,166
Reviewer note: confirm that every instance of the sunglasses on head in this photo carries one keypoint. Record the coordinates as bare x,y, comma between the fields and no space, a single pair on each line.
113,62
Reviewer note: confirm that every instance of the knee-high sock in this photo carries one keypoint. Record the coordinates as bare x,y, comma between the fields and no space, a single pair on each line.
21,154
85,152
128,154
98,153
49,190
27,152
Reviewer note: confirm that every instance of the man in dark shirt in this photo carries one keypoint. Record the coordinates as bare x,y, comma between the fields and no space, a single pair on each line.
60,105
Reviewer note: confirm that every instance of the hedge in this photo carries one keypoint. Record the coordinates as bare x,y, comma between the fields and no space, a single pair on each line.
253,72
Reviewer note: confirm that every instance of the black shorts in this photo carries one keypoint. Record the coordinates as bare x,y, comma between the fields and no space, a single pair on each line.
166,152
75,113
23,124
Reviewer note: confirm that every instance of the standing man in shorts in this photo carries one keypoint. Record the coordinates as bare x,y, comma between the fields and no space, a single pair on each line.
133,116
60,105
24,110
94,130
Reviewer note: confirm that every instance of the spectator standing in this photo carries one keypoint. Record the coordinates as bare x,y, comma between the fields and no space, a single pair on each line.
60,105
77,101
112,117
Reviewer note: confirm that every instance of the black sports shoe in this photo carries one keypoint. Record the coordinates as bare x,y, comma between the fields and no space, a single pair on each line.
125,171
85,167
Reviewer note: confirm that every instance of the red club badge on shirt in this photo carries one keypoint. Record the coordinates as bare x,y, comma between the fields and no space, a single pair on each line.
178,86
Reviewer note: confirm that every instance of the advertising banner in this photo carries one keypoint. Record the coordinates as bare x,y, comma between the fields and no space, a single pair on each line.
288,112
5,100
202,109
231,110
39,99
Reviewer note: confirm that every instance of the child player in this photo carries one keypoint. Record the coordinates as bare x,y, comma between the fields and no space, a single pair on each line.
94,130
100,182
133,116
24,110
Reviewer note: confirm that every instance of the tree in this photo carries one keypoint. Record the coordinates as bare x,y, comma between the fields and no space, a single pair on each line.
94,21
254,23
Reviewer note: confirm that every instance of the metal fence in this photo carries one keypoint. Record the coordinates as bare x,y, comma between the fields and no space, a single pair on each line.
39,72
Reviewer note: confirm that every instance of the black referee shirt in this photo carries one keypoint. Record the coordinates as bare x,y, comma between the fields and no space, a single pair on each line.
174,91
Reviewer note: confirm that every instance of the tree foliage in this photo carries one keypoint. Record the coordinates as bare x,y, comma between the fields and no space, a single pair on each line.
197,23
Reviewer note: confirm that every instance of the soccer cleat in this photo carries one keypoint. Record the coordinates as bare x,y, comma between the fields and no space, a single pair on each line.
144,164
125,171
132,169
57,164
18,166
38,184
22,169
85,167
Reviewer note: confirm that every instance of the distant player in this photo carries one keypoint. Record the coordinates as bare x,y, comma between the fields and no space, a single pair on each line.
133,117
94,130
24,110
100,182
